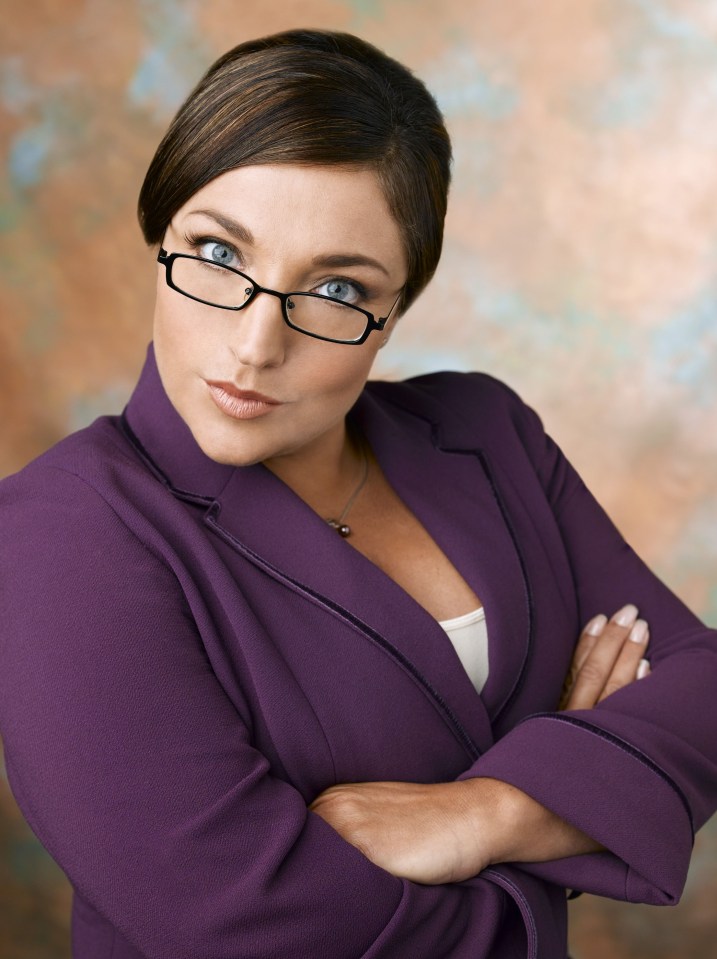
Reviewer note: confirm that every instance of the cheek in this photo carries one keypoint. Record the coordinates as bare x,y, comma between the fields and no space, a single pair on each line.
178,338
164,325
169,321
337,371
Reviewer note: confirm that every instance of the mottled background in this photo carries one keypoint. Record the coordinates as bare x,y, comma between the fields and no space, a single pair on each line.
580,265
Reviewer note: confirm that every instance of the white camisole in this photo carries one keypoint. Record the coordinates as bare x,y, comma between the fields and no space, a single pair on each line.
469,636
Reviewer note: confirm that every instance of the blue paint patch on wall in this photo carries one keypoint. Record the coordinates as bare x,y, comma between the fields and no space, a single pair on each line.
684,350
632,93
29,154
513,333
464,86
365,9
85,409
30,150
622,101
655,50
694,554
158,83
56,124
413,359
173,61
674,27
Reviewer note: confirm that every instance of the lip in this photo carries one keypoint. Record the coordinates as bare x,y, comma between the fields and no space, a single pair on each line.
240,404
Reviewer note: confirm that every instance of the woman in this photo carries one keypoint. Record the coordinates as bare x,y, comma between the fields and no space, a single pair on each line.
239,707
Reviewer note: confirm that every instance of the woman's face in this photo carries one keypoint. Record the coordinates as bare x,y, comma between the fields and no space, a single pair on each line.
290,228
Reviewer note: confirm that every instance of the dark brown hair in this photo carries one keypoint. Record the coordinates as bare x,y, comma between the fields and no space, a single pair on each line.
311,97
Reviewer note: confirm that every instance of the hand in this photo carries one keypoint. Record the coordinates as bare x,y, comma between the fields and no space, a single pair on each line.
447,832
426,833
609,655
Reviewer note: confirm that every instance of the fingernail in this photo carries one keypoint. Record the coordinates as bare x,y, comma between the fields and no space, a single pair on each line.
626,616
596,625
643,669
638,633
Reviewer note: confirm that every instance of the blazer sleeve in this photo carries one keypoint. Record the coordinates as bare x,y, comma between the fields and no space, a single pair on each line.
138,774
638,772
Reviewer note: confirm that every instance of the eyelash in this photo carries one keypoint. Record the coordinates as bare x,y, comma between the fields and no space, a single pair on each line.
196,240
360,289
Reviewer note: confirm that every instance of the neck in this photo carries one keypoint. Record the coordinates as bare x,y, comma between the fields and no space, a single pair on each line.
324,472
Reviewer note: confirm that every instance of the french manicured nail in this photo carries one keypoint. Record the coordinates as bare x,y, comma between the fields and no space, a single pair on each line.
626,616
643,669
638,633
596,625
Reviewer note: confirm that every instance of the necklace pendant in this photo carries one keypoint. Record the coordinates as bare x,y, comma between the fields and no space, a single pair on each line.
341,528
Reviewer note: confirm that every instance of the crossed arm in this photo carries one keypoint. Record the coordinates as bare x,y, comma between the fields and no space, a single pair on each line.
448,832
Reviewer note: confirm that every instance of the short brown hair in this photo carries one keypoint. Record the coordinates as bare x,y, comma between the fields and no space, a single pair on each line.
311,97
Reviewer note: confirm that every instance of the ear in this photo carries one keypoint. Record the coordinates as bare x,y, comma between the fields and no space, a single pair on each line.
388,331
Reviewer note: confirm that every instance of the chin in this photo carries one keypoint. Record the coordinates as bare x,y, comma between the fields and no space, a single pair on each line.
228,450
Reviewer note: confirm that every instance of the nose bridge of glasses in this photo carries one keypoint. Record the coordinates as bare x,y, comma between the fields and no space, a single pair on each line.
253,290
259,338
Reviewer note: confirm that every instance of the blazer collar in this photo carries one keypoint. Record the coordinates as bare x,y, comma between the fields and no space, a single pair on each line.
166,441
423,456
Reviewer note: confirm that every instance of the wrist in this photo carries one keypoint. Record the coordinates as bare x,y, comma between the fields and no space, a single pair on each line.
498,811
511,826
493,815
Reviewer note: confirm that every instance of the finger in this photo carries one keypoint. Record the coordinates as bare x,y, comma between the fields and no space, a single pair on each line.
588,638
595,671
643,669
625,670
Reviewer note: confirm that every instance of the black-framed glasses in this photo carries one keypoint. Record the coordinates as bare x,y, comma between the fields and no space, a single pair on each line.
225,288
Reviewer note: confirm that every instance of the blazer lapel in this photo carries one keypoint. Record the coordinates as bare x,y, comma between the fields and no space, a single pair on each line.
449,484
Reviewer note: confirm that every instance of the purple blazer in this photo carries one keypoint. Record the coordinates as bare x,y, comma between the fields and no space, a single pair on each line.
189,655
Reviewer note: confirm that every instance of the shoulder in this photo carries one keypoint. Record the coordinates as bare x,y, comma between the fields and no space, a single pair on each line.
99,457
446,385
90,485
466,407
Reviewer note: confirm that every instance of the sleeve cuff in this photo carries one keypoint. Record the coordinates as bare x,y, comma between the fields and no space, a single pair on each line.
612,792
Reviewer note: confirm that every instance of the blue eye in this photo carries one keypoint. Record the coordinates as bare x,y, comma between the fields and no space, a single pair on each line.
217,252
343,290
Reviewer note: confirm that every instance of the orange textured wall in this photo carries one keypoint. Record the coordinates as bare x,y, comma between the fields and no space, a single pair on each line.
580,266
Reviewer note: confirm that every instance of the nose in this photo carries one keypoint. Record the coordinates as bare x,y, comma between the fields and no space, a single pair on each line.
258,336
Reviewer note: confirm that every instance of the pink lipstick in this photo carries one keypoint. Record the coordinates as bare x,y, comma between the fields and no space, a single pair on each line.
240,404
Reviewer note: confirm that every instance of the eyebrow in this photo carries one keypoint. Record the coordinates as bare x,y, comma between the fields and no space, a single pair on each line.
232,226
349,259
241,233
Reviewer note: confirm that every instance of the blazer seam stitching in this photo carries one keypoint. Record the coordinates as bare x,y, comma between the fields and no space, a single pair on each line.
361,627
527,913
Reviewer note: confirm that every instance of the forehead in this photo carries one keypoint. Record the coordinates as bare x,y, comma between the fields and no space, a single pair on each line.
306,209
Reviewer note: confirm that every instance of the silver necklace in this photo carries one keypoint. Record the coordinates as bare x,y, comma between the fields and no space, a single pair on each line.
339,524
